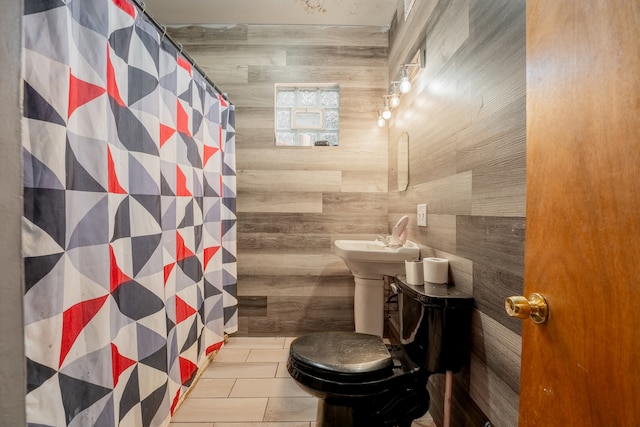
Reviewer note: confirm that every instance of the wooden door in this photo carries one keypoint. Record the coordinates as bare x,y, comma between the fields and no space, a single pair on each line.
582,367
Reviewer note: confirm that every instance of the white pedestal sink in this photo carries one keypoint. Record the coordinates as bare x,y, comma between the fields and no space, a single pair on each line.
369,261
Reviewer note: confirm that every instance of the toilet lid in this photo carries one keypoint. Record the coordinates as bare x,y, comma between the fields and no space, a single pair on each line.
343,352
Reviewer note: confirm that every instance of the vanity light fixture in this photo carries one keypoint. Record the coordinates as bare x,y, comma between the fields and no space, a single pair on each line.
386,113
394,98
405,84
402,86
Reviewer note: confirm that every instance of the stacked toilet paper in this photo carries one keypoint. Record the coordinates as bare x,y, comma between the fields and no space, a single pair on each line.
428,270
436,270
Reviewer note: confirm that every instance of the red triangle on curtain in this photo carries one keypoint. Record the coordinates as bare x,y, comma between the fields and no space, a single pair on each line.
209,253
182,251
187,369
167,271
117,277
222,100
214,347
166,132
114,184
182,119
174,404
112,84
181,183
184,64
183,310
209,152
81,92
126,6
74,319
119,363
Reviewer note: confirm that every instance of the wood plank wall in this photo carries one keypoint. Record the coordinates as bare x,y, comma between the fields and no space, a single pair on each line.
465,116
294,201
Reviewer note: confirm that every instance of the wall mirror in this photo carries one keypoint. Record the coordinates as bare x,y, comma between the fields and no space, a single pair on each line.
403,161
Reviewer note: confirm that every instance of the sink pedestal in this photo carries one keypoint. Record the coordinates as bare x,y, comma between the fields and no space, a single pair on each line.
368,306
369,261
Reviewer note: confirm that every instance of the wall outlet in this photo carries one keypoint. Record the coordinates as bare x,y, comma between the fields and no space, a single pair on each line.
422,215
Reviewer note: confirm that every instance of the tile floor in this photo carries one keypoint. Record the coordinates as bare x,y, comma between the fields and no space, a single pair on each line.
247,384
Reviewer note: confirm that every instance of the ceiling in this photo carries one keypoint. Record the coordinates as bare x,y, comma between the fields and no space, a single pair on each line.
273,12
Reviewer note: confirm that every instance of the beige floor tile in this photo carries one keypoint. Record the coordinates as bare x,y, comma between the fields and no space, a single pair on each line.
233,355
206,387
287,342
255,342
425,421
272,387
191,425
282,370
268,355
291,409
214,410
241,370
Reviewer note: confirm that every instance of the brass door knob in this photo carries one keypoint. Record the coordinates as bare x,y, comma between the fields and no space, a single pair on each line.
534,307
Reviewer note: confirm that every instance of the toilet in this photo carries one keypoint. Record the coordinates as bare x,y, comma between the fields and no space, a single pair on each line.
361,381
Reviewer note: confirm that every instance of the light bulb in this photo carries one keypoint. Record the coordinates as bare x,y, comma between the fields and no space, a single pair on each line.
394,100
381,121
386,114
405,85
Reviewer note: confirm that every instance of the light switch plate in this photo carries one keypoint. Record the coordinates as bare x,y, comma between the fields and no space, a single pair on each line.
422,215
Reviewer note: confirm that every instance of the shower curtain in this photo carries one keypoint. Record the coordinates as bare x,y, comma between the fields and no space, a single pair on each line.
129,230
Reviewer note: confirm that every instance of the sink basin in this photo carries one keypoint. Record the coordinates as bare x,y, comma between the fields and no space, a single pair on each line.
372,259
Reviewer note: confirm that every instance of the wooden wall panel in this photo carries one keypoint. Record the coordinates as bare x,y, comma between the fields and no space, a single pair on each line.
465,116
293,201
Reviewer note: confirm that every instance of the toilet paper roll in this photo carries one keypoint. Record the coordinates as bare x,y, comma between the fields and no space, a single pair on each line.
414,272
304,140
436,270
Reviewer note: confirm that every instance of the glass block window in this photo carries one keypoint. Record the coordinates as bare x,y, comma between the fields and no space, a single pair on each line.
307,114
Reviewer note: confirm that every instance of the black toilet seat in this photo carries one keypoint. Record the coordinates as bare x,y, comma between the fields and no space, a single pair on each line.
345,354
349,368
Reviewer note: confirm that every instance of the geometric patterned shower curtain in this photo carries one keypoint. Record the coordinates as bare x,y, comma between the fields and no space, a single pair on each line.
129,231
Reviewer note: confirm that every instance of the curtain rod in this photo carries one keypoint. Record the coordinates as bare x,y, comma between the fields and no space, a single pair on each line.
163,29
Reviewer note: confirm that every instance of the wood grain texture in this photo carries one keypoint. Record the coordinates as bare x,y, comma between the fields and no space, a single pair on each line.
304,314
493,241
497,347
273,201
451,195
276,264
284,242
297,35
493,286
583,227
288,181
282,286
466,120
496,399
464,410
